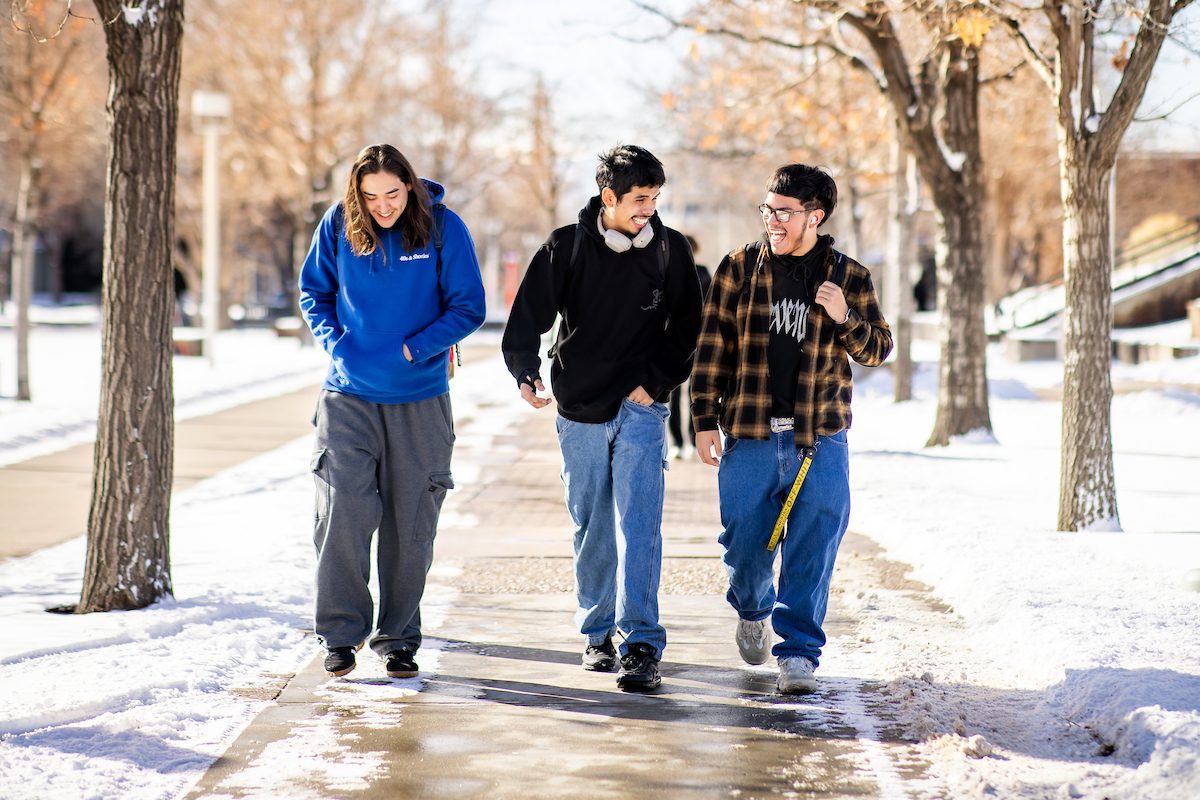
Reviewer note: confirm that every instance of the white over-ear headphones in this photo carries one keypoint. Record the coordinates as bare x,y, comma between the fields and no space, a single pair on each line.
619,243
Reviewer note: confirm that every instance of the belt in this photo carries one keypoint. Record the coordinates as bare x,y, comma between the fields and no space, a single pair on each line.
781,424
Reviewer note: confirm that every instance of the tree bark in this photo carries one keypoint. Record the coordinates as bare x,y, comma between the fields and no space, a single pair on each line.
852,205
1087,491
128,555
24,251
958,193
1088,140
898,298
948,153
962,373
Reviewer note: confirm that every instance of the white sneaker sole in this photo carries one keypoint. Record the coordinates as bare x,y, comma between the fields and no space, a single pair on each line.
798,687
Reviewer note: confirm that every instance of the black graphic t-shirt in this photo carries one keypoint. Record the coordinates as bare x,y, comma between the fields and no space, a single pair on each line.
794,287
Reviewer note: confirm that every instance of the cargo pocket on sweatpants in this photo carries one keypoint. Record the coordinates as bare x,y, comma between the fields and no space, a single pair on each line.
429,506
321,479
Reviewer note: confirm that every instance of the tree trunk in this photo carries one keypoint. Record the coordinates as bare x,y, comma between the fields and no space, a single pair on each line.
899,297
1087,490
957,190
128,555
854,207
24,252
962,367
6,257
947,149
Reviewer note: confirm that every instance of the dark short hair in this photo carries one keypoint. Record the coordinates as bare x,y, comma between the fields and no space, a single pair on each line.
812,186
627,166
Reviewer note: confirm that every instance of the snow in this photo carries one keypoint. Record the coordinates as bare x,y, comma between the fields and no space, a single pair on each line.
64,357
1087,638
1028,307
134,14
1039,664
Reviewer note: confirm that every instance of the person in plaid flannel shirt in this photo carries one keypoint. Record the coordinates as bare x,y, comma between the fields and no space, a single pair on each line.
772,373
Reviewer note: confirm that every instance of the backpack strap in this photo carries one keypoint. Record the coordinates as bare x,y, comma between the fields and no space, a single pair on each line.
556,261
750,263
838,273
576,240
439,225
664,257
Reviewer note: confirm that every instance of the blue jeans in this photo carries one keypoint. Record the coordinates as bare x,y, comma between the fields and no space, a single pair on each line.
754,478
614,480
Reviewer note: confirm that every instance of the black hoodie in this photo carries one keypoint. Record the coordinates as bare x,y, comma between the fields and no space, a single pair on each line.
624,323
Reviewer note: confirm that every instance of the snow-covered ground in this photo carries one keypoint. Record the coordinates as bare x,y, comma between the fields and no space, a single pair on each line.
64,376
1056,665
1072,658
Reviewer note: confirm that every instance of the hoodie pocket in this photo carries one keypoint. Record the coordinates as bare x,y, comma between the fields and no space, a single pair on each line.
429,506
371,361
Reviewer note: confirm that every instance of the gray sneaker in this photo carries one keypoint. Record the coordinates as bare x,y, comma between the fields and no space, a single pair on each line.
753,640
796,675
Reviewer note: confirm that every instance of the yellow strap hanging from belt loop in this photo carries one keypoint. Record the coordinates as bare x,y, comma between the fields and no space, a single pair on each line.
780,523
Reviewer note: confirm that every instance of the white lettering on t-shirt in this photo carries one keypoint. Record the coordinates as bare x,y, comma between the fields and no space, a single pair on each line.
790,317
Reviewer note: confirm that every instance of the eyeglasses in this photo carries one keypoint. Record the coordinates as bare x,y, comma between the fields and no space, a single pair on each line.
780,214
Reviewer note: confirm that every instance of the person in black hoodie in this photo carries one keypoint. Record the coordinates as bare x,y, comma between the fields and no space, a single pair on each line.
626,288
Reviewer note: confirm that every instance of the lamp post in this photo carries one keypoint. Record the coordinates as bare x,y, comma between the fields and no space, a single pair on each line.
210,110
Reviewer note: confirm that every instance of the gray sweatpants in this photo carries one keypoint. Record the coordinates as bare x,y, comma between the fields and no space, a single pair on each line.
382,468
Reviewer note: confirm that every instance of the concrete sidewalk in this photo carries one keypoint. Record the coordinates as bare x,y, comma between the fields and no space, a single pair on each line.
502,708
45,499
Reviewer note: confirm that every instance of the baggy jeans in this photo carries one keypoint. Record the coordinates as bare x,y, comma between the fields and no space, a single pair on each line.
613,473
754,479
386,468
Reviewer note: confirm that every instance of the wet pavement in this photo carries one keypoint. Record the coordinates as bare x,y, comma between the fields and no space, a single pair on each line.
502,708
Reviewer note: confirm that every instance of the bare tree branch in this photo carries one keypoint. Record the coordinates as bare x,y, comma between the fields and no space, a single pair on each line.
1166,114
1041,65
16,5
1135,76
59,70
839,47
1011,74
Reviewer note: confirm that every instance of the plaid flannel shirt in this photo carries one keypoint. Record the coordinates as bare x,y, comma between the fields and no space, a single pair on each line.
731,384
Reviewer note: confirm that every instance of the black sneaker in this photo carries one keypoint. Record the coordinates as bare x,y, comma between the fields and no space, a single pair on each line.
600,657
639,669
339,661
400,664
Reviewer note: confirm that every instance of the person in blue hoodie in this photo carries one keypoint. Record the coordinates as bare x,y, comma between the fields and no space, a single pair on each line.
387,304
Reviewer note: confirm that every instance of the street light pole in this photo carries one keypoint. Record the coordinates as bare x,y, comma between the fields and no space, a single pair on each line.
210,110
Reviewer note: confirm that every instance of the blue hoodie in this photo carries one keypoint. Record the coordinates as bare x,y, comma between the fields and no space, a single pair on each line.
364,309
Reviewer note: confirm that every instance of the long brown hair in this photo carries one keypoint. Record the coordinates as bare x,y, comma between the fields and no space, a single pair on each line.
417,220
